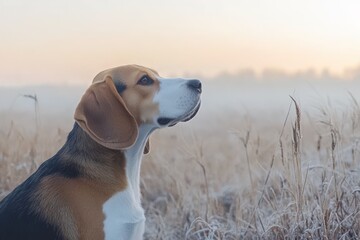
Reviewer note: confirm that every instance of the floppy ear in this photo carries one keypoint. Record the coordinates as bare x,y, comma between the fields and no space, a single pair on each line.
103,114
147,147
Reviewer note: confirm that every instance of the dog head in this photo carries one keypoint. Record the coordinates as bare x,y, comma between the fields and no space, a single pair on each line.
123,98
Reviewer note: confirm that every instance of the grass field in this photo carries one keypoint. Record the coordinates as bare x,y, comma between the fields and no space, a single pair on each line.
286,174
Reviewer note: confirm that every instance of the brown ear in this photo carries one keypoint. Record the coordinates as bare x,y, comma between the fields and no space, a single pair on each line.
147,147
103,114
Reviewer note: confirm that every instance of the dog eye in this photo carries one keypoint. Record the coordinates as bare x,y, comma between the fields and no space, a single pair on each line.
145,81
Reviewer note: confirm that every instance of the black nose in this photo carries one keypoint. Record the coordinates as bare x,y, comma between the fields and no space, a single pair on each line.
195,84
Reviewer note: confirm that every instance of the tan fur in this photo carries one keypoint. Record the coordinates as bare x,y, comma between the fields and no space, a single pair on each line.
103,114
68,203
137,98
117,131
54,209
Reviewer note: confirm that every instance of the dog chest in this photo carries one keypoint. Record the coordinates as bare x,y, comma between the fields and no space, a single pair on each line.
124,216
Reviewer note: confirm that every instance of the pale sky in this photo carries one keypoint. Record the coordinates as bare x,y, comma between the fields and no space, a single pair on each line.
70,41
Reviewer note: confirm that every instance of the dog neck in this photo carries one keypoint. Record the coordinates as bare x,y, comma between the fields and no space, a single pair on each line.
124,215
93,161
106,165
133,157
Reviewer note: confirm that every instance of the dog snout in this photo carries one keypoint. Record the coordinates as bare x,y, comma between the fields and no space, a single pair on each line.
195,84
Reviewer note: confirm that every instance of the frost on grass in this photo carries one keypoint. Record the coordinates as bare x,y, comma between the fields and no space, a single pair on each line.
231,176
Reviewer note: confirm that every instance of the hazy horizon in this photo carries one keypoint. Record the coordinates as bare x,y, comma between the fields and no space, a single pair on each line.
241,75
242,92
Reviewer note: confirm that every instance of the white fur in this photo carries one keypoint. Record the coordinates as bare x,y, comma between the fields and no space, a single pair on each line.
124,215
175,98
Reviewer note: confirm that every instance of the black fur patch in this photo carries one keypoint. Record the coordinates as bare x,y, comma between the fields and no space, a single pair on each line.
17,218
120,87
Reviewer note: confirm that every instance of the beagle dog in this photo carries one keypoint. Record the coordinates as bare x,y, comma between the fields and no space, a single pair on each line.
90,189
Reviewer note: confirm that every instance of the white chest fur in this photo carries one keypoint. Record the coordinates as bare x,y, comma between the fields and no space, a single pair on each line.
124,215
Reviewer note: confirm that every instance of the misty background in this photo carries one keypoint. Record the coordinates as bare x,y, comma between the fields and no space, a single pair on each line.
261,96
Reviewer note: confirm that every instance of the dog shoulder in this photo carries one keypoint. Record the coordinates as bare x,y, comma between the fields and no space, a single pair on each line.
21,213
18,216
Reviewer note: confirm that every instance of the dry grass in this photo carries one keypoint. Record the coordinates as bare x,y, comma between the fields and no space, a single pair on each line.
234,177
